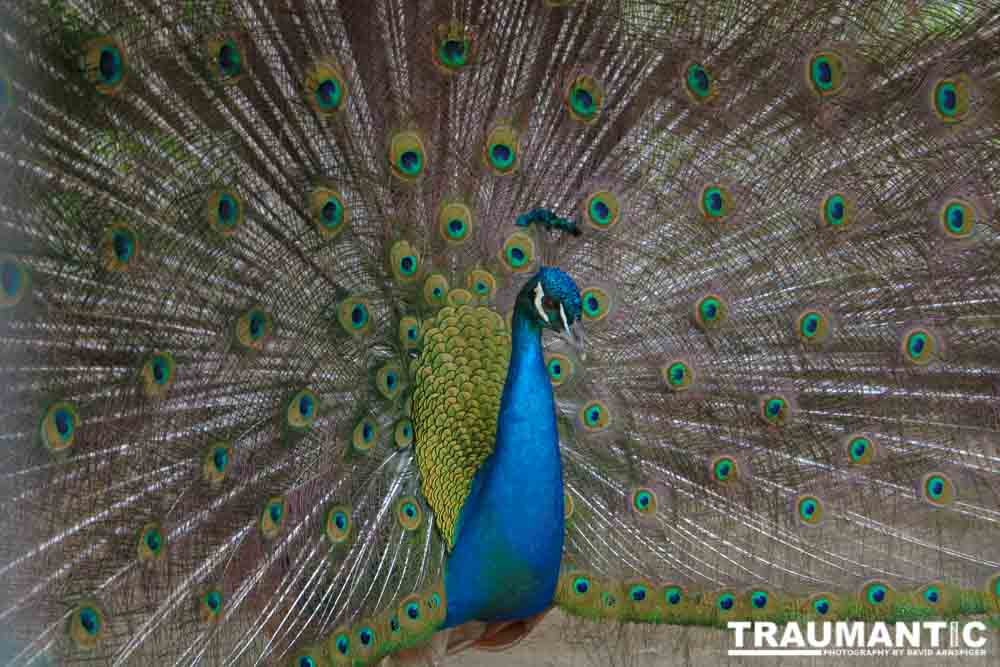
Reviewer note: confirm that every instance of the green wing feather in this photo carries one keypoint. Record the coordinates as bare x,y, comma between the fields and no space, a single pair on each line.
459,379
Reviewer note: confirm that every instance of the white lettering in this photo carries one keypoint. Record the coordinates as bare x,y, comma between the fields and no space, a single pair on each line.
850,634
967,639
739,627
793,637
935,627
880,635
765,631
910,633
827,634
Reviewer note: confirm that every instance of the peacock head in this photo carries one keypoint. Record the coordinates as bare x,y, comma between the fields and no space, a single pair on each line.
551,300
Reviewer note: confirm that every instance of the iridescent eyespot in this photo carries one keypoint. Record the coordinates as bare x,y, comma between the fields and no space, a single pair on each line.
724,469
404,262
710,311
455,222
119,248
224,212
826,73
253,329
87,624
407,155
365,434
876,594
919,346
644,501
673,595
774,409
453,47
14,281
337,524
225,58
211,605
677,375
860,449
759,600
366,637
501,149
937,489
950,98
413,610
698,83
122,244
820,604
481,283
715,202
150,544
341,644
813,326
409,513
933,594
220,459
436,290
725,602
518,252
560,368
453,53
403,433
596,304
58,427
581,585
638,593
595,416
216,461
809,509
353,313
103,63
957,219
326,88
302,410
836,211
329,211
389,379
272,518
601,209
158,374
584,99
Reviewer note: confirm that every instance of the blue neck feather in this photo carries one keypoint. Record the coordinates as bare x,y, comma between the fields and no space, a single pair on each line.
505,562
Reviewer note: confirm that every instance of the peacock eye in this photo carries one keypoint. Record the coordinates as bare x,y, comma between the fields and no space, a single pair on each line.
550,303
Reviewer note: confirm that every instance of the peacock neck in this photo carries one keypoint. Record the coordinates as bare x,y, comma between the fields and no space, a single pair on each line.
505,563
527,406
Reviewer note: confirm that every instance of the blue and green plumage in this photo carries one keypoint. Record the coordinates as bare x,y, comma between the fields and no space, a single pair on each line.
275,371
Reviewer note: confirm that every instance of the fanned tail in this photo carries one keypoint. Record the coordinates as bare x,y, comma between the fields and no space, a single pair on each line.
227,227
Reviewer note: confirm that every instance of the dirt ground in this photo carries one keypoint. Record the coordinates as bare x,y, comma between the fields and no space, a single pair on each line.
563,642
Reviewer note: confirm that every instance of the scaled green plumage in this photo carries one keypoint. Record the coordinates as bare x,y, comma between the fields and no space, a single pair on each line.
459,377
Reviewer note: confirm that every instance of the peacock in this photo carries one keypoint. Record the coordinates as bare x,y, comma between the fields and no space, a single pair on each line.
333,330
